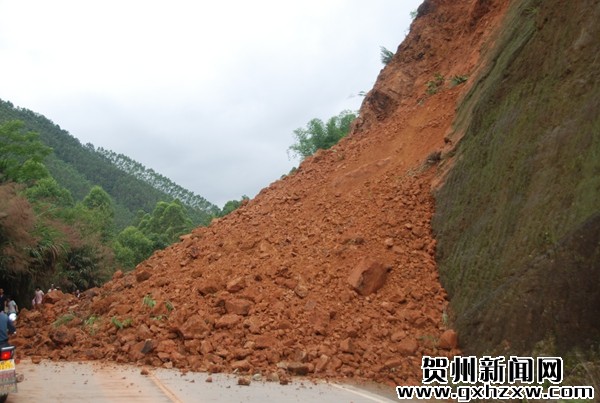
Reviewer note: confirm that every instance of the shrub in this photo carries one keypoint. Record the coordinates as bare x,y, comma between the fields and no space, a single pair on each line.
433,86
63,320
149,301
121,325
386,55
457,80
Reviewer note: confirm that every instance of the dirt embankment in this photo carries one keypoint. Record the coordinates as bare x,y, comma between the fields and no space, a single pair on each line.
328,272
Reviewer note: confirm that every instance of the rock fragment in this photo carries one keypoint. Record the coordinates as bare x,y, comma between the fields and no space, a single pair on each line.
448,340
368,277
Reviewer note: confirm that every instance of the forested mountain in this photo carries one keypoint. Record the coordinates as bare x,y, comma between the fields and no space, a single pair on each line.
79,167
71,215
157,181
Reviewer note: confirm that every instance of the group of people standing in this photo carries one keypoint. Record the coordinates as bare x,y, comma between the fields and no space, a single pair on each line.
8,305
6,325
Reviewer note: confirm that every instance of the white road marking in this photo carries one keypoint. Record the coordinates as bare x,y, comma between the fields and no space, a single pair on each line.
164,389
368,396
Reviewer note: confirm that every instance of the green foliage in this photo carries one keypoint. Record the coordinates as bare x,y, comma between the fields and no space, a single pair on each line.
91,324
32,171
169,306
531,11
48,192
121,324
49,249
78,168
131,247
445,319
318,135
166,223
154,231
199,209
41,236
17,223
97,211
69,250
64,231
149,301
233,205
85,267
457,80
386,55
35,245
21,153
98,199
90,321
433,86
63,320
125,256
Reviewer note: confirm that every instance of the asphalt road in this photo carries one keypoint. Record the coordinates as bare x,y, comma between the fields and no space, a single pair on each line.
92,382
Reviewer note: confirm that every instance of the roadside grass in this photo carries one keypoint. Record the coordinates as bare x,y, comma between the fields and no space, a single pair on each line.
63,320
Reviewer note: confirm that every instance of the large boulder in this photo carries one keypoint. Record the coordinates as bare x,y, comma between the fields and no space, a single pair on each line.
368,277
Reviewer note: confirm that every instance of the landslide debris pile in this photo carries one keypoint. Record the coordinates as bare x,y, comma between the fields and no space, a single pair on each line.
329,272
341,294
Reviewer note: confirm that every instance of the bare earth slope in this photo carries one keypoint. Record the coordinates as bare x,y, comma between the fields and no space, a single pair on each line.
279,285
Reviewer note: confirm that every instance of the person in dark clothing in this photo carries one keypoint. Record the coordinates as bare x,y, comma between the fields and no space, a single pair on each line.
7,327
2,300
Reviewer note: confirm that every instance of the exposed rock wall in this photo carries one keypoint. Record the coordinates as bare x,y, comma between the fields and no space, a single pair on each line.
516,220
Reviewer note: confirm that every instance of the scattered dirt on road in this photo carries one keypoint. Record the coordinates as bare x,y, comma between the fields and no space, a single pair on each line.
96,382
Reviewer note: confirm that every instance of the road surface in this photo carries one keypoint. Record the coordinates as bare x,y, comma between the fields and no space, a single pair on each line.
93,382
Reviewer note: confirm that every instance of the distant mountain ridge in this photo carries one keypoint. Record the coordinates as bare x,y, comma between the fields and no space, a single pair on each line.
156,180
78,167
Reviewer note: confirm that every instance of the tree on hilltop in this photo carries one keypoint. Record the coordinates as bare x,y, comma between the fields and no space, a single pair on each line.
319,135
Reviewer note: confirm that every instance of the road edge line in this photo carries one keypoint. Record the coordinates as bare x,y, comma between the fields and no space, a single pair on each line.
359,393
164,389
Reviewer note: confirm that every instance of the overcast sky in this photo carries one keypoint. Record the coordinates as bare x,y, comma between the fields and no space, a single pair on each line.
207,94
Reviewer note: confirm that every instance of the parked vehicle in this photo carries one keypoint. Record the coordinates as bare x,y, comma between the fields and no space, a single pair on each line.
8,372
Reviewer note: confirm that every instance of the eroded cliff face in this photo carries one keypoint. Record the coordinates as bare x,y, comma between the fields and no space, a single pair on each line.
517,218
329,272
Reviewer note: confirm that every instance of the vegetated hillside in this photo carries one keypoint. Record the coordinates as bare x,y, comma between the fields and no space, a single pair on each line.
518,218
329,271
78,167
